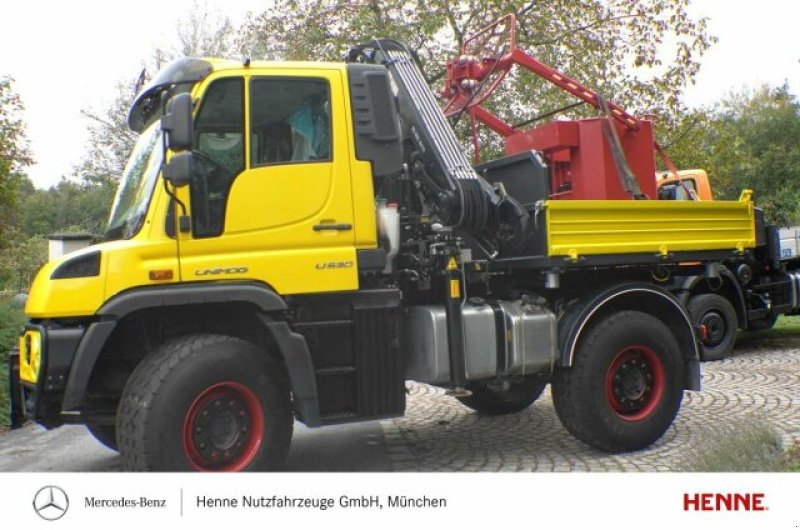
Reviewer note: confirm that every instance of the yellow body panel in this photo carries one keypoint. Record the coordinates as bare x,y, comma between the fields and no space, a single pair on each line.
577,228
30,355
66,297
130,263
272,210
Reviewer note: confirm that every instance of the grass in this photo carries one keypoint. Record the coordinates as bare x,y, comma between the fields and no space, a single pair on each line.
751,445
11,320
791,461
785,327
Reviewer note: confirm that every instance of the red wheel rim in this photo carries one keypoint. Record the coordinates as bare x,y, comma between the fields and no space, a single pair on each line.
223,428
635,383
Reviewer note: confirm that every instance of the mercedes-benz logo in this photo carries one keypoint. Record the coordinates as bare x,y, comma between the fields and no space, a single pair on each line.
50,503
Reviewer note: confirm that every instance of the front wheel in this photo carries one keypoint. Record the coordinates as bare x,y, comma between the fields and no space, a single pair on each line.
625,385
205,403
496,398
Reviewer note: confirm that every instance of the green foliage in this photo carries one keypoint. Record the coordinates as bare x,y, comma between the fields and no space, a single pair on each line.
13,146
749,139
22,259
79,206
67,207
14,154
11,321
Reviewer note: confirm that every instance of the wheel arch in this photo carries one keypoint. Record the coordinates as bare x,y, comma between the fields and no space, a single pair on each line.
728,287
637,296
248,310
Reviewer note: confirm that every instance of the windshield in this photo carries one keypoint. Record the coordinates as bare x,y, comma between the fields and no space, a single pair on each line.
136,185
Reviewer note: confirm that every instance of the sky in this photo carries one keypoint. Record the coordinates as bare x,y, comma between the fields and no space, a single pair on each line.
66,56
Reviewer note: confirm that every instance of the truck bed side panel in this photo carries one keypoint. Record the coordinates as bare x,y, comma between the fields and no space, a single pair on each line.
622,227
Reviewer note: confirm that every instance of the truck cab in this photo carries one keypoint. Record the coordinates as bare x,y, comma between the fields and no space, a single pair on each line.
276,192
277,204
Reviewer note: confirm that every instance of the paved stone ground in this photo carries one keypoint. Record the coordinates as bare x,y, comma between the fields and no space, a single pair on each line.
354,447
759,381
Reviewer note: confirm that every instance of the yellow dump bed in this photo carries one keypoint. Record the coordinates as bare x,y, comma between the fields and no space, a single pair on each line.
584,228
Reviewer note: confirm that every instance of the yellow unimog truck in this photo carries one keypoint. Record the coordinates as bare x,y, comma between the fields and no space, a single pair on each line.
293,241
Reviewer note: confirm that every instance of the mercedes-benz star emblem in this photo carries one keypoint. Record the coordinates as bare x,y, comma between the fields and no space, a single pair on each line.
50,503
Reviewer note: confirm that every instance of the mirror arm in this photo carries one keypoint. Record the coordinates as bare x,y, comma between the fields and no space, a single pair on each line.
172,195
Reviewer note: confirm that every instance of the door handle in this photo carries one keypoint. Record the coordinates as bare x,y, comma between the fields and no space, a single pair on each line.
332,226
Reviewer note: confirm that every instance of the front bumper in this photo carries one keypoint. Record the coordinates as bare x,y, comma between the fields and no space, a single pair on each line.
39,371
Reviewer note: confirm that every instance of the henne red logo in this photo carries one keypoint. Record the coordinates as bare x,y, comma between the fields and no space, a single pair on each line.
724,502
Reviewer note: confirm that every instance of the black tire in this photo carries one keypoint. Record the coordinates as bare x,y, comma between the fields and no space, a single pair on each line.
205,403
105,434
718,315
625,384
763,324
491,399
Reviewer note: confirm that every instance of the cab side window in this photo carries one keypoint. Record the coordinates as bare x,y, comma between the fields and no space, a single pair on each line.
218,154
289,121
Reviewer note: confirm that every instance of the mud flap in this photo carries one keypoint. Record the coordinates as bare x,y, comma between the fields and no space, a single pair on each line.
693,375
15,391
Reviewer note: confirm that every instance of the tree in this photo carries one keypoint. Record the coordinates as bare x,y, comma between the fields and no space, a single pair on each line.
77,206
110,141
750,139
21,259
14,153
616,46
205,33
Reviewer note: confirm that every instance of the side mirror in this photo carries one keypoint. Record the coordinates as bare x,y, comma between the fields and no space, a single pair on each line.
178,170
177,122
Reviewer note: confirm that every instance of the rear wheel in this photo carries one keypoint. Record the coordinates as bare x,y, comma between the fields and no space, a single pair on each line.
105,434
625,385
205,403
495,398
719,318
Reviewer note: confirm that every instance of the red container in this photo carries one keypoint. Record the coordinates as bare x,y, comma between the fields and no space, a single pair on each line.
581,162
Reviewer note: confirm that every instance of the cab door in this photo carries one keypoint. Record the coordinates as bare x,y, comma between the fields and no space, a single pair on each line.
272,197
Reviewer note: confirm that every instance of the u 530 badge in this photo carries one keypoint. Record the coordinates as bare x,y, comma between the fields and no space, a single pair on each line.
335,265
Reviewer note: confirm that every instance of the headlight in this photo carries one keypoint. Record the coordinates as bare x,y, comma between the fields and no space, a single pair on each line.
30,355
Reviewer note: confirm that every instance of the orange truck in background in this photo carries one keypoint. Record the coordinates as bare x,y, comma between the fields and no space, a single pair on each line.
688,185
